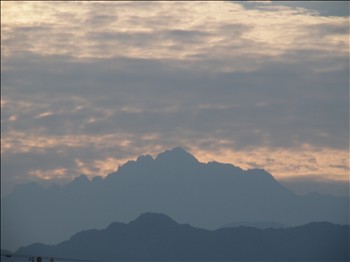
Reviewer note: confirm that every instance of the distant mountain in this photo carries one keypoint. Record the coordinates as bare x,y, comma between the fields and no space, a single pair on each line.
256,224
206,195
158,237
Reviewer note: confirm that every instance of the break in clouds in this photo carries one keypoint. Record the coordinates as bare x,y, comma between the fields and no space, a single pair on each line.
87,86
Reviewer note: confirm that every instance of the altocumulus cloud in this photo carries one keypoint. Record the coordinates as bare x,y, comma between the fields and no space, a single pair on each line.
87,85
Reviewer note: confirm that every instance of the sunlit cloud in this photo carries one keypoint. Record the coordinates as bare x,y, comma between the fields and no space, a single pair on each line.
20,142
45,114
285,164
3,102
12,118
49,174
281,162
191,31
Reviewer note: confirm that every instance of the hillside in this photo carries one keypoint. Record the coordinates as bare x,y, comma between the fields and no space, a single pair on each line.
158,237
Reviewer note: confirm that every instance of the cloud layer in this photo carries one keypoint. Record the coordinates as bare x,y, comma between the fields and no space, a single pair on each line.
88,85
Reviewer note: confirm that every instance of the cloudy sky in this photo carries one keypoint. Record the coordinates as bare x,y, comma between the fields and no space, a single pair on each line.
86,86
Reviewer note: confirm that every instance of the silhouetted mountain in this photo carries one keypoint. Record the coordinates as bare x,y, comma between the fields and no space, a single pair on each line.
257,224
181,156
207,195
158,237
157,220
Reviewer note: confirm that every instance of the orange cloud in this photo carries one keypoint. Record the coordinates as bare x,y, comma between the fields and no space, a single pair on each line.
284,163
49,174
189,31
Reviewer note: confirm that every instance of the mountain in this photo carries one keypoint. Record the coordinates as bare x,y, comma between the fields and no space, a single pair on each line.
158,237
257,224
206,195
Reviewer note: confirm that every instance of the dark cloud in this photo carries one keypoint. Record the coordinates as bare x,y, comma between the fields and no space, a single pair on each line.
289,104
324,8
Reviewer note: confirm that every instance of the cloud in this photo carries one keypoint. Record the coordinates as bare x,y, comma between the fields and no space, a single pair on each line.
93,85
301,110
190,30
315,8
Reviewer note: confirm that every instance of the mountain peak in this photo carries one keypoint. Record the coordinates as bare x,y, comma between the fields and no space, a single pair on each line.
178,149
176,154
153,219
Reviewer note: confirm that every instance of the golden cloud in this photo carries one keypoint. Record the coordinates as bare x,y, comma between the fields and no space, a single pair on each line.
190,31
282,163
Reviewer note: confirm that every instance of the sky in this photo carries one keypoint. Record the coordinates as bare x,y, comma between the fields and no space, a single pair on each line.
86,86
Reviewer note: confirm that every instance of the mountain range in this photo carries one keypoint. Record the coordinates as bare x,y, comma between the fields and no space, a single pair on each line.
206,195
257,224
156,237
